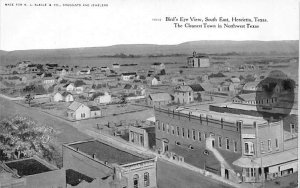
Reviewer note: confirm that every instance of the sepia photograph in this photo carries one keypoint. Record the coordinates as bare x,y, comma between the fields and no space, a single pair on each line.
149,94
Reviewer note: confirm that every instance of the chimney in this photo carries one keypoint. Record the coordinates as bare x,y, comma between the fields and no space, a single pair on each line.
94,155
77,149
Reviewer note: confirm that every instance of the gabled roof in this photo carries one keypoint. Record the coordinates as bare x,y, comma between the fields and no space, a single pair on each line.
251,85
196,87
129,73
183,88
235,80
160,96
127,86
64,94
75,105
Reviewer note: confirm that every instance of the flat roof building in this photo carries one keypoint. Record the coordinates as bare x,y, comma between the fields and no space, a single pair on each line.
97,159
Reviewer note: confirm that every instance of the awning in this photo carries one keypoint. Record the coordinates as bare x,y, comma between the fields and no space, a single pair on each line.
268,160
289,165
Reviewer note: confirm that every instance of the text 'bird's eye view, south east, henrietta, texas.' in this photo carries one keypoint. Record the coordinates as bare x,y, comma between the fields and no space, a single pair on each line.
149,94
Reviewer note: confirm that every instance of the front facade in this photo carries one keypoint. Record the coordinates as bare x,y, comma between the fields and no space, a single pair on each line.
183,94
58,97
185,132
98,160
158,99
103,99
267,152
142,136
78,111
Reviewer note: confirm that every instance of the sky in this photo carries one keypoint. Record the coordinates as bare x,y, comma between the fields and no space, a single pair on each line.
131,22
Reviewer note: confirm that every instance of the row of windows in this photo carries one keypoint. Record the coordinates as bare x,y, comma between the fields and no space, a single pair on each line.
267,101
146,180
249,147
192,134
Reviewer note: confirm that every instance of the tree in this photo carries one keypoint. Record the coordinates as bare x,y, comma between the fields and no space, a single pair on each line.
79,83
21,137
180,71
29,98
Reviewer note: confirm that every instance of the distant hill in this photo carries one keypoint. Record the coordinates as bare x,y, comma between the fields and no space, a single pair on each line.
210,47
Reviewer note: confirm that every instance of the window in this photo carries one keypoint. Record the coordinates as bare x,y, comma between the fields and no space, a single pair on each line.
220,141
205,135
178,133
235,146
276,143
227,143
158,125
132,136
146,179
168,128
135,181
182,132
262,147
188,133
249,148
292,128
239,125
199,136
269,145
172,129
83,115
222,123
163,126
177,143
194,135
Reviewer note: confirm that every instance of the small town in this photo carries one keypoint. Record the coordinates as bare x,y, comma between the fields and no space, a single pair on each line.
181,120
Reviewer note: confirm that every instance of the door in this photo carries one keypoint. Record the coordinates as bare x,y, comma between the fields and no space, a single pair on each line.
213,143
226,174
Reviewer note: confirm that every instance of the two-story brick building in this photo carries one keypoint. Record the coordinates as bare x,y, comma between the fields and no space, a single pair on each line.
97,159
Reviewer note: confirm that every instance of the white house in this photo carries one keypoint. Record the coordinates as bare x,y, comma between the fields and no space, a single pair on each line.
58,97
155,81
128,76
183,94
104,69
103,98
158,66
116,66
61,72
81,72
78,111
70,87
67,97
48,80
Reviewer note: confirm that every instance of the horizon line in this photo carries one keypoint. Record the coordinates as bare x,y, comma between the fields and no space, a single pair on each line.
82,47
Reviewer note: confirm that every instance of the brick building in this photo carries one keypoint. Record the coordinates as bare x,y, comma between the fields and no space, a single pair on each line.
234,132
97,159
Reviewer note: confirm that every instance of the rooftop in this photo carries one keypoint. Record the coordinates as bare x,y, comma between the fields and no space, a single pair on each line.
105,152
26,167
